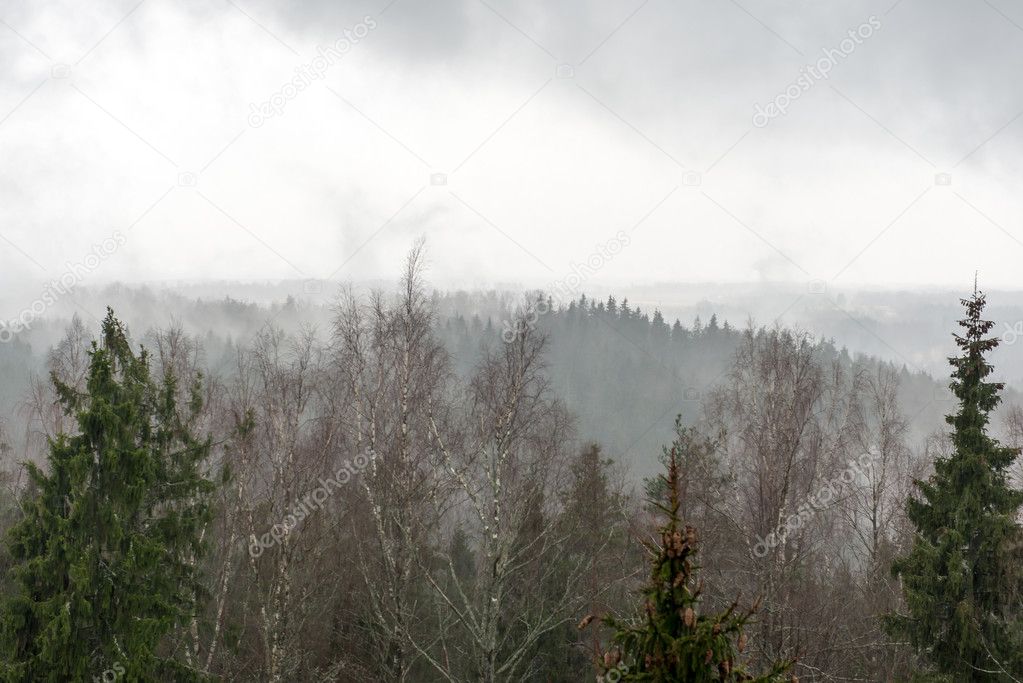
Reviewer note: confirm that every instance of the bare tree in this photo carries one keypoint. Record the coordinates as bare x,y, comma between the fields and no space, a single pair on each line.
1012,422
873,512
391,369
285,443
68,361
507,459
789,419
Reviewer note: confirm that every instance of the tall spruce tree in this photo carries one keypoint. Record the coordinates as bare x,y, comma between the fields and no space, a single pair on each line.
962,574
673,641
106,553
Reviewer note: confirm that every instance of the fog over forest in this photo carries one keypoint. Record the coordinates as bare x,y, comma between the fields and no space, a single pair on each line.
481,340
907,331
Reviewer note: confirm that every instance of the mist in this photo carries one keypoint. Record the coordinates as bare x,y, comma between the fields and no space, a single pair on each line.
479,340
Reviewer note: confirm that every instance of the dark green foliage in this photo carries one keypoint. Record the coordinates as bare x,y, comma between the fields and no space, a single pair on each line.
961,577
106,555
673,641
593,523
10,513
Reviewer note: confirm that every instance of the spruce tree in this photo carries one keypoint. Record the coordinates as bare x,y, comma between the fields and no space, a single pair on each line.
962,573
105,556
673,640
593,523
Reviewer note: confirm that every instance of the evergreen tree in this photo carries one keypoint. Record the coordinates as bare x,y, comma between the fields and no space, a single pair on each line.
673,641
961,575
593,522
105,557
659,329
679,334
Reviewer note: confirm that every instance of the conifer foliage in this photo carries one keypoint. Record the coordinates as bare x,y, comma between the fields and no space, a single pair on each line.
106,555
674,641
962,576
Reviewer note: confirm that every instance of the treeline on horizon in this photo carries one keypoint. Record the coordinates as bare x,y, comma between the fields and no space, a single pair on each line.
658,369
421,495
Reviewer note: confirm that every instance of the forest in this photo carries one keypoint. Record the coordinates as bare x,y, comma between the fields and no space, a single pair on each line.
427,488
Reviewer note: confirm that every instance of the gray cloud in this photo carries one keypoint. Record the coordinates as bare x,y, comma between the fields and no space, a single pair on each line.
660,96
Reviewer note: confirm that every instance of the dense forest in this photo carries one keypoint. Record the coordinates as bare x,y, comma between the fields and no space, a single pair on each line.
430,487
711,372
660,370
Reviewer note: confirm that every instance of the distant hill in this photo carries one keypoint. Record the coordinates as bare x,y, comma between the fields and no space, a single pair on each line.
625,372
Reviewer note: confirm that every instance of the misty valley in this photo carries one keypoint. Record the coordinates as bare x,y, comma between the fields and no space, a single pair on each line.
409,484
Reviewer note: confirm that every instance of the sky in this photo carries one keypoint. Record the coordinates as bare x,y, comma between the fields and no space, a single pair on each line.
834,144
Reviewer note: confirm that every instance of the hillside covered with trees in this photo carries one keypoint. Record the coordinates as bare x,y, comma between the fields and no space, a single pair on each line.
413,493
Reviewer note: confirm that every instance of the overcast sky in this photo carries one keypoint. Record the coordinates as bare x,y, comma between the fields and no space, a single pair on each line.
519,137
